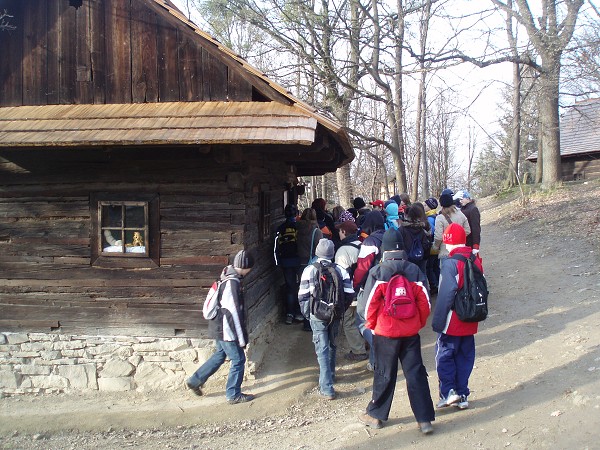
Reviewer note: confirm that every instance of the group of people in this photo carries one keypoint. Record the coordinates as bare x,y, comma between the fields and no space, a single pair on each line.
373,245
362,251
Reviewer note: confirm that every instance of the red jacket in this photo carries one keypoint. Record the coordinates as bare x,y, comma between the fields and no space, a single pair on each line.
384,325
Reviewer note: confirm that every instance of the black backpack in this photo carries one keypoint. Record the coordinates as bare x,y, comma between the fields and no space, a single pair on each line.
327,303
417,245
471,301
287,240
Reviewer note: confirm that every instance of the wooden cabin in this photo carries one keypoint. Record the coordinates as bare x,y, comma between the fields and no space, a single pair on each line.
137,155
579,141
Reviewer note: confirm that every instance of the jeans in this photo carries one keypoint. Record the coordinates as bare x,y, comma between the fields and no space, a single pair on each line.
387,353
224,349
291,290
367,334
324,335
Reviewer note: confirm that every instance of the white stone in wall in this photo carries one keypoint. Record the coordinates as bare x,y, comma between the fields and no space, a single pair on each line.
184,355
189,368
49,382
73,353
135,360
169,345
17,338
153,358
51,355
81,376
115,384
124,352
2,338
9,379
115,368
204,354
171,365
145,339
26,383
149,375
43,337
30,369
25,354
104,349
68,345
33,346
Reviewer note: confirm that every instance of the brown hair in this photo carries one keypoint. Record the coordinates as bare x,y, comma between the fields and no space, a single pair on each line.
309,214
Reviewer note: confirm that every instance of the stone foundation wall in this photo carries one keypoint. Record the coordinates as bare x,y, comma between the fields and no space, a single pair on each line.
34,363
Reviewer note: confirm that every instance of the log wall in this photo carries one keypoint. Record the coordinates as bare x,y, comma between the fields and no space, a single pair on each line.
581,168
208,211
109,51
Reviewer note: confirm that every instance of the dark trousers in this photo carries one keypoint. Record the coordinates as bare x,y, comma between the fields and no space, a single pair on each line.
291,290
454,360
387,353
433,271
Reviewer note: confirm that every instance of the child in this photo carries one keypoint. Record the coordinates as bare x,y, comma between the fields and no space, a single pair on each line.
397,339
229,331
324,332
455,346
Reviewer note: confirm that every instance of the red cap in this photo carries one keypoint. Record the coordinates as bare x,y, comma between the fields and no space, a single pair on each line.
454,234
378,203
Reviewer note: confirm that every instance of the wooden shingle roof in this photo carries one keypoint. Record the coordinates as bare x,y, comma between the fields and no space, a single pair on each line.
579,130
175,123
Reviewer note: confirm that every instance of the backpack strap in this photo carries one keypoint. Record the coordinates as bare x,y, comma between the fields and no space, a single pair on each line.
350,244
312,244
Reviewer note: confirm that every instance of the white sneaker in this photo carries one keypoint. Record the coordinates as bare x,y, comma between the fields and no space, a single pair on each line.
451,399
462,403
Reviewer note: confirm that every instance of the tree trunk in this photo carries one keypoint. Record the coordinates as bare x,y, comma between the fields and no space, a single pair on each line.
344,186
550,124
515,141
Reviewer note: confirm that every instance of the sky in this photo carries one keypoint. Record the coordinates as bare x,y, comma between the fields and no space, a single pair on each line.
475,87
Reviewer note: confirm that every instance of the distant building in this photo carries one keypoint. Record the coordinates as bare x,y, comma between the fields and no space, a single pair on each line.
579,141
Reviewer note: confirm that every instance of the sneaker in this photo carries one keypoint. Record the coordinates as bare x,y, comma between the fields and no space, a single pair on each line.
299,318
356,356
426,427
289,319
370,367
452,398
462,403
242,398
369,421
328,396
196,390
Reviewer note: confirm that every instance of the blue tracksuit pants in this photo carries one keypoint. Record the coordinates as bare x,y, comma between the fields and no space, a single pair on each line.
454,360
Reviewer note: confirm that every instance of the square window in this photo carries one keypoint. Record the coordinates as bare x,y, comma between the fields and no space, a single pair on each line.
125,230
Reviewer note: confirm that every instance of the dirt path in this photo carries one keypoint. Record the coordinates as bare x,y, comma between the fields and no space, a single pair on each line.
536,383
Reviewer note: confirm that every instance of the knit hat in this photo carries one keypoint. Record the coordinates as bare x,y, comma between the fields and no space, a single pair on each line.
392,240
373,221
290,211
378,203
243,260
349,227
446,200
397,199
392,210
346,216
325,249
454,234
359,203
461,194
432,203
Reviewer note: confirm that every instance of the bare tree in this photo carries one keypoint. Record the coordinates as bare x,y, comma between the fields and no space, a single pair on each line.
550,36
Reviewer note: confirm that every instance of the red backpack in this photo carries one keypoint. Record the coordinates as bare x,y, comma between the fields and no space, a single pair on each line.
399,300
